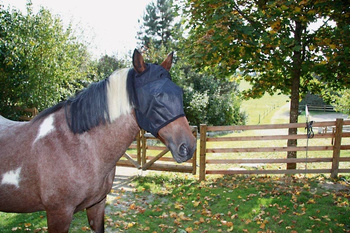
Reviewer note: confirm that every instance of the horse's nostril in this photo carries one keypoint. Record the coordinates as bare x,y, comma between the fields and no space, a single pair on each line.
183,149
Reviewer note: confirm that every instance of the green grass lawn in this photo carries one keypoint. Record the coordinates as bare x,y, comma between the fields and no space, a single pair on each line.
172,203
261,110
168,202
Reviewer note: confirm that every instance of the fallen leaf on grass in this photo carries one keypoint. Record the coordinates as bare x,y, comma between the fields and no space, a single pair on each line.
228,224
179,206
262,226
196,203
311,201
132,206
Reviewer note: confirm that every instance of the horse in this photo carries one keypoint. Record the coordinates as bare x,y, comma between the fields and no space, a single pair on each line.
64,160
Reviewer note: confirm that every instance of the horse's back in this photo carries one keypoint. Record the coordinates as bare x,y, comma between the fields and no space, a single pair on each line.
6,124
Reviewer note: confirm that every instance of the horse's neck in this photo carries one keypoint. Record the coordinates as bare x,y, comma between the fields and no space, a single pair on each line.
105,143
113,139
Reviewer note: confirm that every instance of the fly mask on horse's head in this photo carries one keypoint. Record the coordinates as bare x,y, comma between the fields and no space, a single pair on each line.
158,101
158,104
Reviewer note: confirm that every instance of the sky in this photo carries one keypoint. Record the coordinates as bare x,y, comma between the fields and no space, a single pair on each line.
109,25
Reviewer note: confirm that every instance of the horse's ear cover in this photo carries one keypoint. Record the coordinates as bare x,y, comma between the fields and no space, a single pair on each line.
156,99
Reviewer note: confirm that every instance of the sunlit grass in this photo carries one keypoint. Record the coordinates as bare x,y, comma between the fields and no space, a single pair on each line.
230,204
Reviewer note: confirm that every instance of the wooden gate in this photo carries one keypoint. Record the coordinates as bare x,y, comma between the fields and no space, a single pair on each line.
149,153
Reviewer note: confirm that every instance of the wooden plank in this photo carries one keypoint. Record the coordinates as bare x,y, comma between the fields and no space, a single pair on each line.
168,159
148,164
290,171
170,168
344,170
139,144
345,147
202,151
268,149
344,159
132,156
143,147
125,163
156,147
269,137
194,158
132,146
239,161
337,147
346,122
269,126
128,157
255,127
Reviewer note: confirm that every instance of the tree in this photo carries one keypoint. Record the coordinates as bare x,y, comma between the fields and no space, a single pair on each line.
212,101
41,63
108,64
342,101
206,99
276,41
159,26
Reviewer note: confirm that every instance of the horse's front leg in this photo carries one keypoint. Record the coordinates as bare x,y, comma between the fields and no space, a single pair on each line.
58,221
95,216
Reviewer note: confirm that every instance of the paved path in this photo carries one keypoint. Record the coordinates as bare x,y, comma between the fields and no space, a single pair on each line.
283,113
124,175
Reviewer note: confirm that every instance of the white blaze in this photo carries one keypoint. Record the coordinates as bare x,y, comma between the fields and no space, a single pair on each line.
12,177
45,128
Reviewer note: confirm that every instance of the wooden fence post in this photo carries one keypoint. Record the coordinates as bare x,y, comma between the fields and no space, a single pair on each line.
194,158
138,141
144,147
336,147
202,152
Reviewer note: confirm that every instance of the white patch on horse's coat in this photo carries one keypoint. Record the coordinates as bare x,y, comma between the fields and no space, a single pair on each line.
117,94
12,177
45,128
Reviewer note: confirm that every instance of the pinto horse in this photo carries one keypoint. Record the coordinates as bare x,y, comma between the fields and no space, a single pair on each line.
63,161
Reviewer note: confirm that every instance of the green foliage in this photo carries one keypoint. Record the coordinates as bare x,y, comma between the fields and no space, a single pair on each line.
274,40
41,63
342,101
108,64
211,101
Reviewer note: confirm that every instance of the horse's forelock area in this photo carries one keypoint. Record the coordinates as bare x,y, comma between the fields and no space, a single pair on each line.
117,94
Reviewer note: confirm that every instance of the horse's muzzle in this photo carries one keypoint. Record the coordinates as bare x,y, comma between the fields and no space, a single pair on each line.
184,152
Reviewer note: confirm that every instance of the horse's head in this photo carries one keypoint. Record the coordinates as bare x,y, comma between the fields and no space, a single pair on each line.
159,106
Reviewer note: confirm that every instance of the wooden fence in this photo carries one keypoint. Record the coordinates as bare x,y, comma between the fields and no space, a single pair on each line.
148,153
322,108
331,131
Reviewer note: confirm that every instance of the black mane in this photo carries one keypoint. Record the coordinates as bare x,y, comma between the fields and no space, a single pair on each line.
87,109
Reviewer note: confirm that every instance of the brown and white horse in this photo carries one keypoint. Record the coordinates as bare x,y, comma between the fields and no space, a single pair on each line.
64,160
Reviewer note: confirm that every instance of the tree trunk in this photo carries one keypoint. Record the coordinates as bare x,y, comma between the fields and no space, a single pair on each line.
294,104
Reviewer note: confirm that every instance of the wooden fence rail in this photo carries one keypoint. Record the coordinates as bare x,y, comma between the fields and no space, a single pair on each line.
335,146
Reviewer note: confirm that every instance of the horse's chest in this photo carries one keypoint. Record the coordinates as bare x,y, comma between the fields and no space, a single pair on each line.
98,190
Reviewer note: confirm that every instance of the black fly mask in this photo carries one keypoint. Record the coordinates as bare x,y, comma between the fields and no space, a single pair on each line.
156,99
